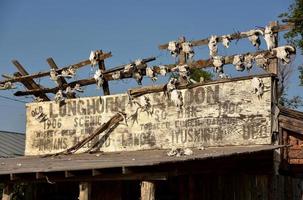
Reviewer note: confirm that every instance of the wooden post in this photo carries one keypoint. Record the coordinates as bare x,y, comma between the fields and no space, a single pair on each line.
84,191
273,66
147,190
105,85
7,192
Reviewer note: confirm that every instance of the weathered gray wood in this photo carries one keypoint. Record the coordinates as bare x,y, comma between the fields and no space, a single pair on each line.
31,84
273,65
214,114
61,81
46,73
85,191
108,73
147,190
234,36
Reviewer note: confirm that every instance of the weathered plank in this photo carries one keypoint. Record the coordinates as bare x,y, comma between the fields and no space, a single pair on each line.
84,191
234,36
46,73
216,114
105,85
147,190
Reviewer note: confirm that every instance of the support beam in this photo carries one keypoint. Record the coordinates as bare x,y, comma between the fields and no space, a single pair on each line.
273,66
234,36
7,192
47,73
61,81
31,83
105,85
84,191
147,190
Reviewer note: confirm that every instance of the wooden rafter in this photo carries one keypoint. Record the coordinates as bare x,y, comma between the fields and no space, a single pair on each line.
105,85
108,73
234,36
61,81
47,73
29,83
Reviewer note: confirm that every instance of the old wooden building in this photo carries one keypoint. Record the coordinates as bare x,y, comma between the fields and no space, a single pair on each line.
224,139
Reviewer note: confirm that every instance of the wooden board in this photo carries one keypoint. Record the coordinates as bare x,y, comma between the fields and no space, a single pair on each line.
218,114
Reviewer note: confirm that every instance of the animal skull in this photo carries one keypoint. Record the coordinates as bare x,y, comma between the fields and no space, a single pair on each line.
224,76
163,70
226,40
7,86
59,96
68,73
187,49
183,71
212,45
218,62
176,97
128,68
94,57
78,88
151,74
238,62
53,75
137,76
269,37
284,53
98,76
258,86
253,36
173,48
69,90
248,61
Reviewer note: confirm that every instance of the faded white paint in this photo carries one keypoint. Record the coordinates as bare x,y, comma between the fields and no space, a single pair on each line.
218,114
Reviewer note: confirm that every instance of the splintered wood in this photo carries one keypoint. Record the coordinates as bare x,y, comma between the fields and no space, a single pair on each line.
214,114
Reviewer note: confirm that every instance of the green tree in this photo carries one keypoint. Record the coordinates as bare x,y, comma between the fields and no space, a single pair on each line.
295,37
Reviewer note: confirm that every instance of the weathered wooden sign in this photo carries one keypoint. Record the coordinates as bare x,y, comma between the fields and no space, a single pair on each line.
217,114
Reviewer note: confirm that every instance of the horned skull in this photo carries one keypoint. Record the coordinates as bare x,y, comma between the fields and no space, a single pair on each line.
226,40
218,62
248,61
151,74
253,36
212,45
116,75
238,62
53,75
269,37
163,70
98,76
173,48
94,57
258,86
187,49
261,61
284,53
7,86
59,96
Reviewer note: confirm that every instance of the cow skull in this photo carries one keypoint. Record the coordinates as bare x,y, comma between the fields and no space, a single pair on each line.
177,98
7,86
163,70
98,76
212,45
269,37
68,73
94,57
218,62
226,40
248,61
59,96
53,75
173,48
187,49
116,75
238,62
253,37
151,74
183,71
284,53
258,86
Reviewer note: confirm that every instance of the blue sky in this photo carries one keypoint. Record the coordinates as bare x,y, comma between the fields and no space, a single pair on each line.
32,30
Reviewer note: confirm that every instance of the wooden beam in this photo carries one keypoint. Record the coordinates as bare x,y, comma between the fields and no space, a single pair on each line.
7,193
273,65
84,191
46,73
61,81
147,190
31,83
105,85
234,36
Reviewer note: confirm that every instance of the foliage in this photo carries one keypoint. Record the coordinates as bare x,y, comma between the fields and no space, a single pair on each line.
196,74
295,15
293,103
